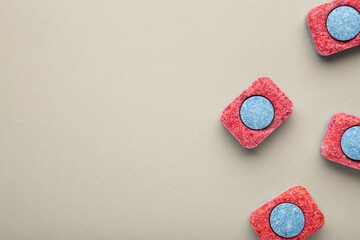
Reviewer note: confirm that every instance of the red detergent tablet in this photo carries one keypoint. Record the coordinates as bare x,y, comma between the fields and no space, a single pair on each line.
341,143
291,215
334,26
257,112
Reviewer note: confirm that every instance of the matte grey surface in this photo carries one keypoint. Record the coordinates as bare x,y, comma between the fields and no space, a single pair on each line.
110,119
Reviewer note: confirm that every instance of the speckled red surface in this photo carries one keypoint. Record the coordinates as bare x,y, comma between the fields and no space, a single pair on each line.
263,86
331,145
324,43
314,219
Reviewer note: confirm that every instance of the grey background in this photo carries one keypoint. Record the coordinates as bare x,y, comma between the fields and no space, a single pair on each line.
110,118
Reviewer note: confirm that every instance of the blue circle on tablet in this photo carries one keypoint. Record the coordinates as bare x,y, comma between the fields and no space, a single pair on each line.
350,143
257,112
287,220
343,23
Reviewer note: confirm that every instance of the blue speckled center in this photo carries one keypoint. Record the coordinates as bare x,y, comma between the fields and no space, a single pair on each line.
350,143
343,23
257,112
287,220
